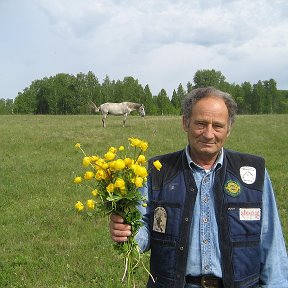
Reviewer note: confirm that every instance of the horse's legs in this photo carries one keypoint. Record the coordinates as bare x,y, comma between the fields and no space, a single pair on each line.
124,119
104,119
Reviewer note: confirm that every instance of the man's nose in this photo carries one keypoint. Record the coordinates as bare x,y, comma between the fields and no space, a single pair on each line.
208,131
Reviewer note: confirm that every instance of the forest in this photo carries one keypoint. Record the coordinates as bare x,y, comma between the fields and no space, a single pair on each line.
65,94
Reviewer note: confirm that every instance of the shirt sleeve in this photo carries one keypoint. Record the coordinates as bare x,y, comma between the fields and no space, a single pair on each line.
274,261
143,235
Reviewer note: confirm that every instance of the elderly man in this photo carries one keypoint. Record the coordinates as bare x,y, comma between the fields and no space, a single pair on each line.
211,219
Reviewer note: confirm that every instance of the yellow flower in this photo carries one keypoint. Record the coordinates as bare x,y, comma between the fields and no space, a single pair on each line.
157,164
86,161
140,171
109,156
121,148
138,182
88,175
128,162
101,175
112,150
94,158
143,146
90,204
120,183
110,188
141,159
119,164
78,179
79,206
77,145
95,192
134,142
144,204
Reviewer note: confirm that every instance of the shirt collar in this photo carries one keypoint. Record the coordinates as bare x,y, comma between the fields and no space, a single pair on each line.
218,163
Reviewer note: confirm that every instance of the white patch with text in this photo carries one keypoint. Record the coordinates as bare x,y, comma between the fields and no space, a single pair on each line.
248,174
250,214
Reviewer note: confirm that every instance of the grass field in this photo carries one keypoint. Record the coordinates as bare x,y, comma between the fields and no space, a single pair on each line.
43,242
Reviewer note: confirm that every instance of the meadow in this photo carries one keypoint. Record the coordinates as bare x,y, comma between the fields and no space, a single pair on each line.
44,242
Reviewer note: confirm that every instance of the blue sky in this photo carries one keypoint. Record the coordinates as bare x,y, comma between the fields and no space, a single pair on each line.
160,43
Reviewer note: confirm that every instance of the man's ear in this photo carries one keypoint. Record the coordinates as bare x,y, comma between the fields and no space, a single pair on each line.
184,124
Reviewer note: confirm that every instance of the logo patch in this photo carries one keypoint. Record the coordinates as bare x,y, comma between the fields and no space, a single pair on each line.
248,174
232,188
160,220
250,214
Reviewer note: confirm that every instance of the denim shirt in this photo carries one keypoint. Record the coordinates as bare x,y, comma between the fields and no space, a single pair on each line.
204,245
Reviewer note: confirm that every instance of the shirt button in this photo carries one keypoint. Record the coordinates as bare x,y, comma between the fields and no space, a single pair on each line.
186,219
205,199
206,267
205,241
178,276
205,220
181,248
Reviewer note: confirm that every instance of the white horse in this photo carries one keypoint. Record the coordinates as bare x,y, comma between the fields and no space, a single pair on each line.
124,108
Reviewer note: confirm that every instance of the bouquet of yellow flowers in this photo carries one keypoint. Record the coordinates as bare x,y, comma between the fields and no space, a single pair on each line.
114,181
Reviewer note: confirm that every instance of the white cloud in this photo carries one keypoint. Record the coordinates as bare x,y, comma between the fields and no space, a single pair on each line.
161,43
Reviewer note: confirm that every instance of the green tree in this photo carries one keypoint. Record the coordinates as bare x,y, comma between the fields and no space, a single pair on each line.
205,78
247,90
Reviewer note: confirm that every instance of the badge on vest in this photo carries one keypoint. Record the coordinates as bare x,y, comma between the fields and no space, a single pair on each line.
232,188
160,220
250,214
248,174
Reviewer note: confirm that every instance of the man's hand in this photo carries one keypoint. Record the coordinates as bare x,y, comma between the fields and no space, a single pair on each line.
119,231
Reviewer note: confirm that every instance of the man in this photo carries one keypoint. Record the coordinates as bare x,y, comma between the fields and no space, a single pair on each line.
211,219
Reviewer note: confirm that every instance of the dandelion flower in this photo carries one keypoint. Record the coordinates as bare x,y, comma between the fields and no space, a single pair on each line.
77,145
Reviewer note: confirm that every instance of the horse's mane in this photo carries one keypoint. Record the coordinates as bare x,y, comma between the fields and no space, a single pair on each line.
132,105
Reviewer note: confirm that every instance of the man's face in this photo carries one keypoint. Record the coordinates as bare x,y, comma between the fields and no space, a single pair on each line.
208,128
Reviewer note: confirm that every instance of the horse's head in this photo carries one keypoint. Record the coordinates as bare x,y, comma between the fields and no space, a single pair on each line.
141,110
94,108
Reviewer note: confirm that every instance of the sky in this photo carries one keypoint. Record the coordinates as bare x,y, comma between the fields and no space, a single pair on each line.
159,43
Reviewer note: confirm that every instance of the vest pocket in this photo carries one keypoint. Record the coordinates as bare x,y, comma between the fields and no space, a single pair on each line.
165,219
163,257
244,223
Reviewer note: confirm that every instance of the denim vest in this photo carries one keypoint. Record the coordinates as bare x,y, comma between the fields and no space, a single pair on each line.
238,203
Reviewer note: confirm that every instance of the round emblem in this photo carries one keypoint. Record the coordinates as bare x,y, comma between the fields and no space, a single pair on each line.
232,188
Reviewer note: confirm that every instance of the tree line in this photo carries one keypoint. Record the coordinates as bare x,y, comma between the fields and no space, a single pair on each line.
65,94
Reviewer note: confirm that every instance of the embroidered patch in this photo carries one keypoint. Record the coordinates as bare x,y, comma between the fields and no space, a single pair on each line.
232,188
160,220
249,214
248,174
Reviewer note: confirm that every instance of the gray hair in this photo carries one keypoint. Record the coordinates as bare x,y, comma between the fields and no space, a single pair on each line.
197,94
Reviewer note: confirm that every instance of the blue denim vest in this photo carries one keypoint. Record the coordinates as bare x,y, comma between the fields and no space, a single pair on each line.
173,197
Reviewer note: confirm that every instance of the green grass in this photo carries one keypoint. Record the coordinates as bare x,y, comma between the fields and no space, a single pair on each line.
43,242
